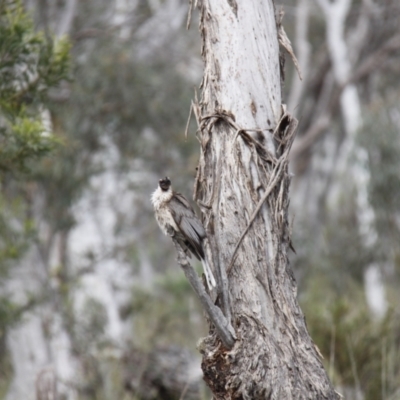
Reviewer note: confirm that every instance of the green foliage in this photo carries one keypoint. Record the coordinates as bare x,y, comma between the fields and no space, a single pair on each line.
13,235
358,351
30,64
22,141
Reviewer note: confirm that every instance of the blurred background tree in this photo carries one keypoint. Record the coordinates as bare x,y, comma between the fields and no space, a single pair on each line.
90,292
30,64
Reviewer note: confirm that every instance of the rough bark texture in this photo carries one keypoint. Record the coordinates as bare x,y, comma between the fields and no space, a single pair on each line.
245,135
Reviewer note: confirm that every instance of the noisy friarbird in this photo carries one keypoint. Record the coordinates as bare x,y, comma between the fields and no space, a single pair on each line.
176,218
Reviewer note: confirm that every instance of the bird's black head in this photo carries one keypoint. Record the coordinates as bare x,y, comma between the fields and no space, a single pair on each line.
165,183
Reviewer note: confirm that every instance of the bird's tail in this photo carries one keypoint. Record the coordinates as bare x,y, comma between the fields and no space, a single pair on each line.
208,273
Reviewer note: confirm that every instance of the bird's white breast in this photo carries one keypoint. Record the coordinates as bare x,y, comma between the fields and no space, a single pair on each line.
160,200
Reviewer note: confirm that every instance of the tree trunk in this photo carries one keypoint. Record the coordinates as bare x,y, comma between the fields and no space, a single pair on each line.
245,135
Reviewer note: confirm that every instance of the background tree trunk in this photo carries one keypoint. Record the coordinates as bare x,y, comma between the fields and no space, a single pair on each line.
245,137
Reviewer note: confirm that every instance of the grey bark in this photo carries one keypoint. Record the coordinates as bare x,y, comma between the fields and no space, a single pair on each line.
242,186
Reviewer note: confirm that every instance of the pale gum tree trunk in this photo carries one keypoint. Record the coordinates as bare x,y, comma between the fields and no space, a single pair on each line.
353,159
245,138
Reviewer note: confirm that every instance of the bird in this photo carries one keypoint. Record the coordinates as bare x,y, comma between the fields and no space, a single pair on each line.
176,218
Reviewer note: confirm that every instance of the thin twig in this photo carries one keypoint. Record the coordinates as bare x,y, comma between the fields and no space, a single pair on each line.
189,18
353,366
383,373
185,389
332,353
275,177
188,120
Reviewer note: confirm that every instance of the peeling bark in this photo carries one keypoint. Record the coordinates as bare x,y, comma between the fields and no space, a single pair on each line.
242,186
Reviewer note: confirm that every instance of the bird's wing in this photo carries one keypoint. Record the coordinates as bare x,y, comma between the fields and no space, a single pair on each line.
183,200
188,223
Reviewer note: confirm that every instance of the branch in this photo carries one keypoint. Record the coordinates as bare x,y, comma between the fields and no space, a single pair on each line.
307,140
224,329
372,63
276,173
377,59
